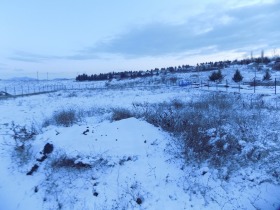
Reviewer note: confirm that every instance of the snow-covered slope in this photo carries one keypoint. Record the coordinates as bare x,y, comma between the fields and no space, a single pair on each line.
97,163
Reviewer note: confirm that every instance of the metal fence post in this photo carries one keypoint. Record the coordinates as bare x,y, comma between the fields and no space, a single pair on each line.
239,86
254,85
275,85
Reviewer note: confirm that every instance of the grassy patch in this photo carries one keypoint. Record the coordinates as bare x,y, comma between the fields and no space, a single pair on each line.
220,129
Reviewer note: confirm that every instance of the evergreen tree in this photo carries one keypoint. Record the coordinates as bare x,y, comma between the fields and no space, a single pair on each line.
216,76
237,77
267,75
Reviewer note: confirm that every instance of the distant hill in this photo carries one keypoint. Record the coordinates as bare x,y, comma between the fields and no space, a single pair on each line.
62,79
22,79
34,79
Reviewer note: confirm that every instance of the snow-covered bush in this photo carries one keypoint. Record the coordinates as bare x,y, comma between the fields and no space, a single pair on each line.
22,136
64,117
211,127
120,114
69,163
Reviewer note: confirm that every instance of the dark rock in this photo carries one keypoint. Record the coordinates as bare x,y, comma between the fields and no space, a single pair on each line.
81,165
36,189
139,201
33,169
44,157
86,131
48,148
203,173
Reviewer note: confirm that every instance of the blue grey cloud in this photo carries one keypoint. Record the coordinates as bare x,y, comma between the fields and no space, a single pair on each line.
205,33
250,25
31,57
40,58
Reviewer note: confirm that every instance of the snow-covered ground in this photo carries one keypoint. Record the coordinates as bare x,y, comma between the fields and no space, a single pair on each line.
97,163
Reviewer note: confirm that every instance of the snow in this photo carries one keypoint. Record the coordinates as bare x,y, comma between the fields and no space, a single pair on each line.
128,164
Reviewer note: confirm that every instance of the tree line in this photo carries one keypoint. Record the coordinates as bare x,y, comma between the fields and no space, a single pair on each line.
207,66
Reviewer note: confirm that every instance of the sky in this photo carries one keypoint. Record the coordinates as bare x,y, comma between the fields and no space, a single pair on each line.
68,37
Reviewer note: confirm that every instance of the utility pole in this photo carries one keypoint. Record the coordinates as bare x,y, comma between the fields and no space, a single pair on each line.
37,77
47,75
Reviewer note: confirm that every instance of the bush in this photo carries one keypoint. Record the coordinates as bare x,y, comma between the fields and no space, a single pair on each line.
237,77
22,136
210,128
216,76
65,117
70,116
68,163
276,66
120,114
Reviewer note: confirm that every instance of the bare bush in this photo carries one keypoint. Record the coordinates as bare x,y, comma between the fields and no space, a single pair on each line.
70,116
63,161
65,117
211,127
22,136
120,114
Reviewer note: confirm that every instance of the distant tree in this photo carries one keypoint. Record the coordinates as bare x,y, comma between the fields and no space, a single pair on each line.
267,75
237,77
276,66
173,80
216,76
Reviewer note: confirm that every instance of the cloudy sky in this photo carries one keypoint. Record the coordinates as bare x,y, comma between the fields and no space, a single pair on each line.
69,37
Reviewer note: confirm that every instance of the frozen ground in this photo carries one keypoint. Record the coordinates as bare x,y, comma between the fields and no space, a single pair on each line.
97,163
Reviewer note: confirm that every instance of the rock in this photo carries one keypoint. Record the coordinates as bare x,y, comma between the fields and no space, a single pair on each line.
48,148
33,169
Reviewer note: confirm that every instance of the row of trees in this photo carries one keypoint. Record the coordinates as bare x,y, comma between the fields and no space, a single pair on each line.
208,66
237,77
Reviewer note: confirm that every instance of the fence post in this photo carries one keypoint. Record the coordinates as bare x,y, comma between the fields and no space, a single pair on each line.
226,85
239,86
275,85
254,85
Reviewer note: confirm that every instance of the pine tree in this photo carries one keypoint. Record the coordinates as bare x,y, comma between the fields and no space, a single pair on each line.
216,76
267,75
237,77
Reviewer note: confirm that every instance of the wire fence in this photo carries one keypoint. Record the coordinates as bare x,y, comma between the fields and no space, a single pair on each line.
254,86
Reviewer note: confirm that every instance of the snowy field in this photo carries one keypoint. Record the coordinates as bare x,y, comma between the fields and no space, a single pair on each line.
149,146
199,79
